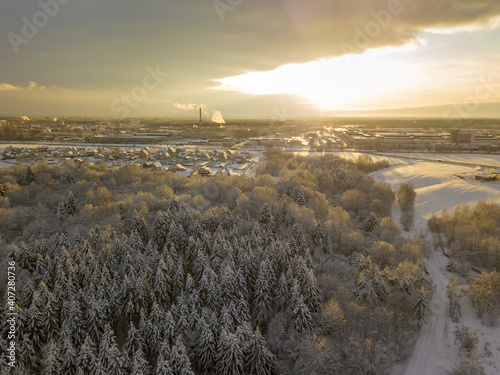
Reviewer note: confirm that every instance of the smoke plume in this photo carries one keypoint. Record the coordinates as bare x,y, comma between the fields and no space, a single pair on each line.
185,107
217,117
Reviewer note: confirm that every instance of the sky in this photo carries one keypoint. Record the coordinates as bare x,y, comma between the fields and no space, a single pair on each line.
242,58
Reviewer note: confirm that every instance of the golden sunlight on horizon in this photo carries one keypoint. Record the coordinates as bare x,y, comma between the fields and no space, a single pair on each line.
342,82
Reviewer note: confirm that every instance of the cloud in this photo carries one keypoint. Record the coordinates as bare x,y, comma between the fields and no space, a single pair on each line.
8,87
35,86
31,86
257,35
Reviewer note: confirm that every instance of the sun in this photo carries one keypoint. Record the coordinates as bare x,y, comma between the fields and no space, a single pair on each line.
347,82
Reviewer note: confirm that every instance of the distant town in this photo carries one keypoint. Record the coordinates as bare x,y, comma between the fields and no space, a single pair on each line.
232,148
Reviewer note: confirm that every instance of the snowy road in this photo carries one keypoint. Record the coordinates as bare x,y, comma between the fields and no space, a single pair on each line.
430,354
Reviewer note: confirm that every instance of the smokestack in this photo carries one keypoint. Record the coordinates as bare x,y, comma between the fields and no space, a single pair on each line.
200,116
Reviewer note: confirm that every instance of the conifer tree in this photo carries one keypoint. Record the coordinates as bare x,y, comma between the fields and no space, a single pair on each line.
28,357
229,354
163,366
298,243
421,308
68,353
282,293
61,211
161,230
134,342
262,295
302,316
162,284
260,360
30,175
265,215
312,297
139,364
319,238
365,290
51,361
139,226
371,222
179,360
454,297
70,203
206,348
109,355
86,358
169,328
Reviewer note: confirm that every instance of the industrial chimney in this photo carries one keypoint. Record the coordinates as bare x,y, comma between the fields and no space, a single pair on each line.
200,117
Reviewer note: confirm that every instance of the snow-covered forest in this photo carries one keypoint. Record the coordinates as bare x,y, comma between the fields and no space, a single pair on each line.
300,270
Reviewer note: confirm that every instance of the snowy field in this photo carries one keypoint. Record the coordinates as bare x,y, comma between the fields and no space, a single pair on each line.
491,160
438,189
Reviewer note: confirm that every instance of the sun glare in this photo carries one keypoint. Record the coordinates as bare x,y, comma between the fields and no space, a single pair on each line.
336,83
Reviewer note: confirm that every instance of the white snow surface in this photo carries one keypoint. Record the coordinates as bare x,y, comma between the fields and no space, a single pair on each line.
437,188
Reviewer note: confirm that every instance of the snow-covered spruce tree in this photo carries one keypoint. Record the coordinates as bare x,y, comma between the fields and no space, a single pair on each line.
109,354
310,291
163,366
319,238
133,344
260,360
406,196
179,360
371,222
454,293
86,359
262,295
421,308
282,293
51,360
365,290
160,230
70,203
169,328
162,285
67,354
30,175
302,317
265,215
229,354
140,364
298,244
61,210
206,348
139,225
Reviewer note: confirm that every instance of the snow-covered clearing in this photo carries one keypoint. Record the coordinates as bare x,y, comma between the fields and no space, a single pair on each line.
492,160
435,352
